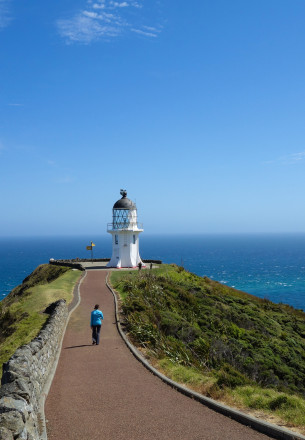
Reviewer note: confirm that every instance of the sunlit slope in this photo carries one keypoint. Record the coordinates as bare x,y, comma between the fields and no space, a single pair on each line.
220,341
22,311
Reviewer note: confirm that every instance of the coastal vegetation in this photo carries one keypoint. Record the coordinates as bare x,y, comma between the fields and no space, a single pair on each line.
245,351
23,311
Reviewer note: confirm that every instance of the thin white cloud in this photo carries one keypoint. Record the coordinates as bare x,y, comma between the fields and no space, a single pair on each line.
147,31
98,6
103,19
15,104
118,4
5,17
150,28
84,29
293,158
290,159
147,34
90,14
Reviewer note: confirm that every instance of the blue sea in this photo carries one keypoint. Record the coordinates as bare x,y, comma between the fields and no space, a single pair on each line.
266,265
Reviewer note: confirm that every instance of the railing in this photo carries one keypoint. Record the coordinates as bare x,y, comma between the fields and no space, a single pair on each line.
124,226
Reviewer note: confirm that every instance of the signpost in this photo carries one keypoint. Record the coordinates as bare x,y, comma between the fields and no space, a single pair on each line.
90,248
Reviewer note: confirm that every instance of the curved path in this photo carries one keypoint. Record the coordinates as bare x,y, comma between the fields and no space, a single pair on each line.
104,392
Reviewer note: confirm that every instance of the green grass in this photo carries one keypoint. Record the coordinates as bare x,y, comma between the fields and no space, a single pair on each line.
288,407
188,376
217,340
21,313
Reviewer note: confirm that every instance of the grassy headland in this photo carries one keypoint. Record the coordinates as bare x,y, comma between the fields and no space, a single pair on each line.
229,345
22,311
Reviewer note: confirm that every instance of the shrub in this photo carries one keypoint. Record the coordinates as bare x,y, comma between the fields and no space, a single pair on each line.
230,377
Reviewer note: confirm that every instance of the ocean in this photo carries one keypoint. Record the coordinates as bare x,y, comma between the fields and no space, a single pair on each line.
269,266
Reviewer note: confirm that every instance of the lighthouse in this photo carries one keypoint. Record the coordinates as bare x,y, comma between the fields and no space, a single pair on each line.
125,231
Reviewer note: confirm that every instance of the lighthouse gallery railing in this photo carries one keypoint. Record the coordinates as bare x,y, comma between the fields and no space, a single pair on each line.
124,226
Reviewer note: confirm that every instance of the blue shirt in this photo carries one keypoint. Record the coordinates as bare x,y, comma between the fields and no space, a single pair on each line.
96,317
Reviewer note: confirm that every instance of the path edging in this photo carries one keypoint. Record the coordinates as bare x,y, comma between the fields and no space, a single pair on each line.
259,425
47,386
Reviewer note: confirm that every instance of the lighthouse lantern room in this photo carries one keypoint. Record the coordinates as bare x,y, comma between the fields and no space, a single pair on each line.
125,231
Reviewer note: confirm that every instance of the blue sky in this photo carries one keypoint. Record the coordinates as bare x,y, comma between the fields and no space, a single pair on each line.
196,108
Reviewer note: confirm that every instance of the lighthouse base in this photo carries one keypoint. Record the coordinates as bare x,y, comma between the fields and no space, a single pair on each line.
125,249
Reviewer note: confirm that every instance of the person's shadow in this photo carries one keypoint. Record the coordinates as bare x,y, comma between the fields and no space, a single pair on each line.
78,346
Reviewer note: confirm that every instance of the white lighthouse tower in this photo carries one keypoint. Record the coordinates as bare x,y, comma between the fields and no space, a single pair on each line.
125,231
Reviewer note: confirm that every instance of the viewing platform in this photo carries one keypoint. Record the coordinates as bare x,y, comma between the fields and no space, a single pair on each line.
96,263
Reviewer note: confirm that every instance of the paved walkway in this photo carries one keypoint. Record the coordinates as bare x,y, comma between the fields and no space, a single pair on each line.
103,392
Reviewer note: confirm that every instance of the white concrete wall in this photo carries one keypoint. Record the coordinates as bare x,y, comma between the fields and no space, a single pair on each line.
125,253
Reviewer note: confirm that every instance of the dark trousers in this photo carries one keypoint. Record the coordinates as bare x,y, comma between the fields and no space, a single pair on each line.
96,329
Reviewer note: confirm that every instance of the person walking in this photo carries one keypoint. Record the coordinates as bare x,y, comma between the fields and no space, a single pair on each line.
96,323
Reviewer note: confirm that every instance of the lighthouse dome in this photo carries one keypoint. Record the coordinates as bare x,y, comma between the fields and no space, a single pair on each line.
124,202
